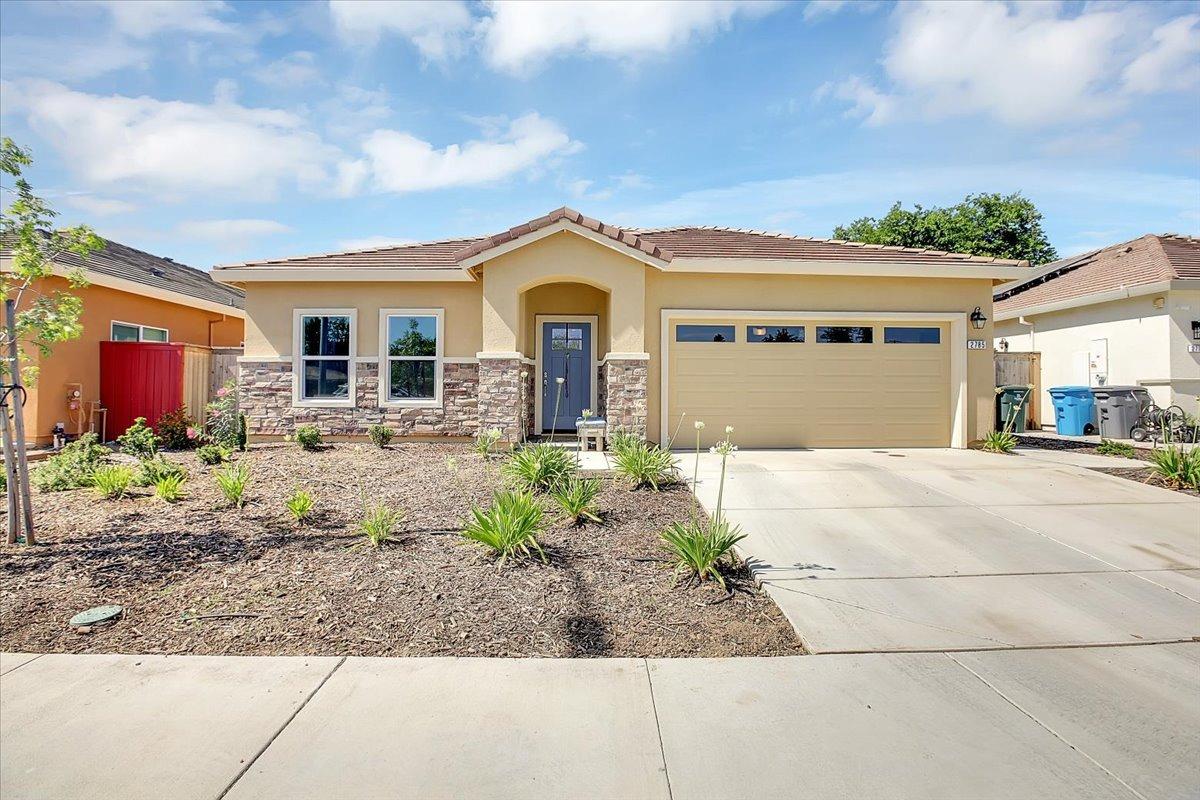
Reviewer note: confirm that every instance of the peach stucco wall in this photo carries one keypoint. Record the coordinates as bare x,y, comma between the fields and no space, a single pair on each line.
78,361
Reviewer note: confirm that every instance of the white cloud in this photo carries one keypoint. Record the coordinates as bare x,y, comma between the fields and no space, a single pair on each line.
520,36
372,242
230,231
435,27
145,18
99,206
69,59
816,9
397,161
173,147
1025,64
293,71
1173,64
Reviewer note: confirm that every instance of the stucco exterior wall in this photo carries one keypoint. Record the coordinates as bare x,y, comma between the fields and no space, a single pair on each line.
564,298
269,312
1137,335
824,293
78,361
1185,367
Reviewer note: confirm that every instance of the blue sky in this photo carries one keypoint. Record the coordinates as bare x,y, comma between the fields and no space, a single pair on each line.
219,132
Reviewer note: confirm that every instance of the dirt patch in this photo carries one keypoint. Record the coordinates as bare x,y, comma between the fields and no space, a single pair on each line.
1146,475
1139,454
198,577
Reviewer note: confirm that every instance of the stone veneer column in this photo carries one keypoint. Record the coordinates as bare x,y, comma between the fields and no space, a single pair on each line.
625,382
500,400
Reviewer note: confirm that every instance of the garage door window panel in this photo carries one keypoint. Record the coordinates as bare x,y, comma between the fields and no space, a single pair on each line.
775,334
897,335
845,334
704,333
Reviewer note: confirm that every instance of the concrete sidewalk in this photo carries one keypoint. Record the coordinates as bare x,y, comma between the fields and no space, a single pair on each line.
1114,722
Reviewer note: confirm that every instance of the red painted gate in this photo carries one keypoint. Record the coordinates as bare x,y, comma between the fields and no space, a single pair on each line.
139,379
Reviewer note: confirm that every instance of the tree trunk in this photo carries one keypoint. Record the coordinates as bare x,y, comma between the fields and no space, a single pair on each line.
10,467
17,399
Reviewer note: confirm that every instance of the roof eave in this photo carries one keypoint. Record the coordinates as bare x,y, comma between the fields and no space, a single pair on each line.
560,226
238,276
787,266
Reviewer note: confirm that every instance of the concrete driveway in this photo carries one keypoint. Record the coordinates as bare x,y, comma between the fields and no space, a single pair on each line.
944,550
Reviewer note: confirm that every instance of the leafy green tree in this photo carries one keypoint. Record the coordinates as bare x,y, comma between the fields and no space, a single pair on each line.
36,316
982,225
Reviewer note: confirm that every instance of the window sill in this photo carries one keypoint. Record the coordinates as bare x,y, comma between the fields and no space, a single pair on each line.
433,403
298,403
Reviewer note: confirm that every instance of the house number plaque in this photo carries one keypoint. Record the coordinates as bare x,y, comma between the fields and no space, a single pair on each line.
976,344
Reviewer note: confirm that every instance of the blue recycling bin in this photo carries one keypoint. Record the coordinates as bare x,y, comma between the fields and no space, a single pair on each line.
1074,410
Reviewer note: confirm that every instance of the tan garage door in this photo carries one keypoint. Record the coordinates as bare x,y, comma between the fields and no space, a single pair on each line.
816,383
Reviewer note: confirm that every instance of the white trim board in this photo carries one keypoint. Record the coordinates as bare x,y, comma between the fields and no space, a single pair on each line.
350,401
538,319
559,227
239,275
958,350
1120,293
784,266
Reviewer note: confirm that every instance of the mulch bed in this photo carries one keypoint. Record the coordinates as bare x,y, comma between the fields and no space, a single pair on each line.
1147,476
1139,454
198,577
1134,472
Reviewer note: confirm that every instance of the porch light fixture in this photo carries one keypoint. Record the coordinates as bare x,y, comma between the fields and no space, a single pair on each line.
978,320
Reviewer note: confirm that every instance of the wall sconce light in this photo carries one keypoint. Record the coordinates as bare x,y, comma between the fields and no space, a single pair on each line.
978,320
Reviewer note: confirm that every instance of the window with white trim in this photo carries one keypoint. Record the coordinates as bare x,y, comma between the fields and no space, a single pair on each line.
411,356
130,332
326,360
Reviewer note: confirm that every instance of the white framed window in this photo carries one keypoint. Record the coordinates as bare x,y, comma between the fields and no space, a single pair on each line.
411,343
324,343
132,332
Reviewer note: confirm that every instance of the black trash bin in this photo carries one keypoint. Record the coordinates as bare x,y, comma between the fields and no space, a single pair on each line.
1012,401
1118,409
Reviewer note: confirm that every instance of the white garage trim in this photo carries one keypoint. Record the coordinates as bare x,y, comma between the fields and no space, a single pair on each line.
958,349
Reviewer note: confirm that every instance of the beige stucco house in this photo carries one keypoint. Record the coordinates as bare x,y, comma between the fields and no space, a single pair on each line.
1125,315
793,341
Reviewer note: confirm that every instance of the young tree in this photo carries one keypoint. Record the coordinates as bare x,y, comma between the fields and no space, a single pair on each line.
982,225
34,319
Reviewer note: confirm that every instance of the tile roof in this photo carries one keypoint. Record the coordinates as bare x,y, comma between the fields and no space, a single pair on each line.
120,261
664,244
1147,259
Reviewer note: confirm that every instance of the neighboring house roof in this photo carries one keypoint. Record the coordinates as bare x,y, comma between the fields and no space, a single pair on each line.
160,276
661,244
1150,259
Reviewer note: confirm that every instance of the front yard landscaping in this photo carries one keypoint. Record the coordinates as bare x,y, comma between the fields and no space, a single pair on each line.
1167,466
201,576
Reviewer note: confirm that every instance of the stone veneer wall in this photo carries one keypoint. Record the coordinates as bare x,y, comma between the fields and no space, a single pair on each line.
265,397
625,405
500,401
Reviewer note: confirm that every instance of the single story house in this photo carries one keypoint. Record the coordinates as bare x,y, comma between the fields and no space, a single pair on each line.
793,341
132,296
1125,315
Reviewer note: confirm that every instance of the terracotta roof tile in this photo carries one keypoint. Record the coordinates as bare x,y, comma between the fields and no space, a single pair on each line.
1148,259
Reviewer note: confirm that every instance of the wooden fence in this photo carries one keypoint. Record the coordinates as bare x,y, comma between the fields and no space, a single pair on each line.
1022,369
224,367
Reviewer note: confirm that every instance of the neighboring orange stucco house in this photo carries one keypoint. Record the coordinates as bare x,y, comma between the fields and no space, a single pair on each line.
132,296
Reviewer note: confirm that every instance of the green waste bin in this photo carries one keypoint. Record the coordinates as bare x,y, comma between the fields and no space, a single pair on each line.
1011,402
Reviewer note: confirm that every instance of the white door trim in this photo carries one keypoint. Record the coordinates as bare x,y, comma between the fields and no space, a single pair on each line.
538,319
958,350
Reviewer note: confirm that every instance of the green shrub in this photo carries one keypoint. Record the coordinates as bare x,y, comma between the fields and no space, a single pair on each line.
1179,467
223,419
152,469
212,454
300,505
380,435
139,440
308,437
645,465
577,497
487,440
1109,447
378,523
232,481
73,467
619,441
999,442
4,481
698,546
509,528
176,430
169,488
112,481
539,467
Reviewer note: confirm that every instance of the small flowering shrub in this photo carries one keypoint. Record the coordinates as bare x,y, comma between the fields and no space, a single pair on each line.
308,437
380,435
72,467
1179,467
223,419
139,440
645,465
698,546
212,454
999,442
487,440
620,440
1110,447
175,430
152,470
112,481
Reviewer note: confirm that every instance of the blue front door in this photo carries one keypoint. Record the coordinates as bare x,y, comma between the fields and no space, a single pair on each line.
566,354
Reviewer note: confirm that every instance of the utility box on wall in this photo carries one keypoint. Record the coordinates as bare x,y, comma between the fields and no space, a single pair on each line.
147,379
